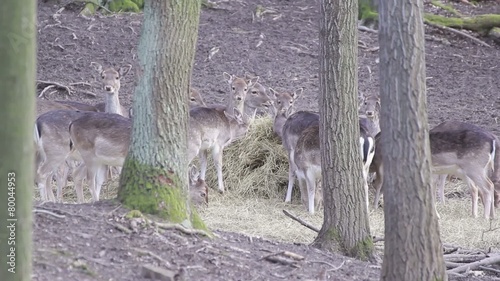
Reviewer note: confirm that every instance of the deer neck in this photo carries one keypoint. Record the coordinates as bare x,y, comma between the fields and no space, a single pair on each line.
113,104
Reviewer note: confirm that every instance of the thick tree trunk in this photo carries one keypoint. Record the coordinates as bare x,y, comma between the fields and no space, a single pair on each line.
154,177
345,227
17,112
413,246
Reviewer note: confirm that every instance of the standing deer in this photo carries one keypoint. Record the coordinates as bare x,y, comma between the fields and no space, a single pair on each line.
308,161
292,130
463,150
216,127
283,108
52,137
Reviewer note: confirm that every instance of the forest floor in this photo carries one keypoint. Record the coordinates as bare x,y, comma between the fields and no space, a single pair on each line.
276,40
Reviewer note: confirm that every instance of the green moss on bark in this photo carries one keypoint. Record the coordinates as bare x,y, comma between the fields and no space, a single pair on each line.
366,11
124,6
153,191
363,250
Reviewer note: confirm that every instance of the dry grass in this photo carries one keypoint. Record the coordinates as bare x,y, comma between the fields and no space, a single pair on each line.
255,175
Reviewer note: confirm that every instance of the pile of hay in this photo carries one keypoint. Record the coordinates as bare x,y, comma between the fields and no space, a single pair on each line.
256,165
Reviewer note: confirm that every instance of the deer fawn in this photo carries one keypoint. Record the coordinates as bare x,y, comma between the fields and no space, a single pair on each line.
283,108
463,150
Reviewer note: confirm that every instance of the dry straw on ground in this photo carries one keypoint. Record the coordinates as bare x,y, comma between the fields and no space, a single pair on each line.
256,174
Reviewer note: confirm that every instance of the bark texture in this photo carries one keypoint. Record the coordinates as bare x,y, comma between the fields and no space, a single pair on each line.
154,177
17,112
345,227
413,246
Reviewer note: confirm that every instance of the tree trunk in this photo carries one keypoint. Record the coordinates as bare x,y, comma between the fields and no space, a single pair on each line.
413,246
17,112
154,177
345,227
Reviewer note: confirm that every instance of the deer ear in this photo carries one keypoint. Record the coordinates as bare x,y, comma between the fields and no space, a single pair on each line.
97,67
228,77
253,81
124,70
273,93
297,93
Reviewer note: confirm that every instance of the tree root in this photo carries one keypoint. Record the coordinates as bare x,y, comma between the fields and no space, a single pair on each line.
480,42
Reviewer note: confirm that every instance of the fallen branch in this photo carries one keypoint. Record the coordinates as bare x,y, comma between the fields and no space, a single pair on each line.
169,226
308,225
463,258
480,42
40,211
490,269
282,260
53,84
470,266
120,227
334,268
153,255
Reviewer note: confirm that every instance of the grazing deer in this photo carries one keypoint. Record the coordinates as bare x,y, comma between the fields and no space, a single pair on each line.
198,189
213,128
292,129
283,108
463,150
308,161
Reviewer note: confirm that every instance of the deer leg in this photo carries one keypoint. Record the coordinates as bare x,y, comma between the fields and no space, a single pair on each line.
203,164
379,180
99,179
311,191
291,176
217,155
78,177
440,181
61,180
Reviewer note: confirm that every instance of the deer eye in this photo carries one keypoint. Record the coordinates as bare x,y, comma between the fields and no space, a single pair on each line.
193,99
279,102
234,88
117,78
245,89
254,92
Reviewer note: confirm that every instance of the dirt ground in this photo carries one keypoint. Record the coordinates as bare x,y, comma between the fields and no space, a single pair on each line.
280,46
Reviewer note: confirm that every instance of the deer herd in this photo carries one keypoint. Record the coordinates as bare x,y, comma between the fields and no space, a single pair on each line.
92,142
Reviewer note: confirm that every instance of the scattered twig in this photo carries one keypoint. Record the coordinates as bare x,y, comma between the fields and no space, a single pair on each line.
282,260
168,226
42,93
48,213
114,210
89,93
333,267
470,266
489,269
308,225
120,227
80,83
149,253
54,84
480,42
367,29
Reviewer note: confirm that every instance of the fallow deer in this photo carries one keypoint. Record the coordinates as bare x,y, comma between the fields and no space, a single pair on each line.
463,150
308,161
283,108
51,134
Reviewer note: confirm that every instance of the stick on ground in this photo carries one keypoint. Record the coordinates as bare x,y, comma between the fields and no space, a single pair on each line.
308,225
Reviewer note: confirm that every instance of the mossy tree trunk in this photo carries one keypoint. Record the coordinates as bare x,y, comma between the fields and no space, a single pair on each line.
479,23
154,176
345,226
412,244
17,112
